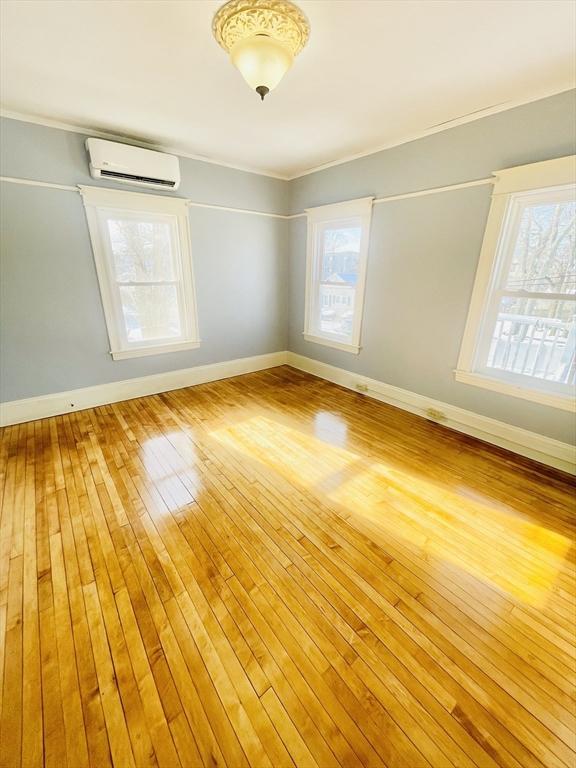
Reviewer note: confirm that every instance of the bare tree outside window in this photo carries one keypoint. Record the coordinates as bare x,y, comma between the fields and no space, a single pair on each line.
145,272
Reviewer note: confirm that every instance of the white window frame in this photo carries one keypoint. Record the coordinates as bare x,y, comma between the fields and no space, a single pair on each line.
512,187
97,201
341,214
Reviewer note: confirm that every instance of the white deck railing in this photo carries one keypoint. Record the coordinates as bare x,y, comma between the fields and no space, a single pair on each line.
535,346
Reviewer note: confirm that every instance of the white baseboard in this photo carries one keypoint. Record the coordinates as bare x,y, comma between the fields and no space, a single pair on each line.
543,449
18,411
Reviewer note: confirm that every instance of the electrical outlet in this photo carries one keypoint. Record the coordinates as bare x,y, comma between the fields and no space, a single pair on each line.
435,414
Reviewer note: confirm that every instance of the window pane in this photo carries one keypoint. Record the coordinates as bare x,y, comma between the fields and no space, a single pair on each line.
150,312
340,260
141,250
535,337
340,255
337,308
544,258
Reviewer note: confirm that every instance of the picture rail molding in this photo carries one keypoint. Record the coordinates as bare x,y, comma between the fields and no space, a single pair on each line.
269,214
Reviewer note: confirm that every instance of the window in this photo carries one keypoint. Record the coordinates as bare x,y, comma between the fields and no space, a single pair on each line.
336,272
142,251
521,331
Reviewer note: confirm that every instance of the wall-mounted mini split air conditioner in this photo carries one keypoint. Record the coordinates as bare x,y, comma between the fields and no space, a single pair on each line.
132,165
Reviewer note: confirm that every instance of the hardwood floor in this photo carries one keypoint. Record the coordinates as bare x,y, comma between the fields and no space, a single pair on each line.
273,571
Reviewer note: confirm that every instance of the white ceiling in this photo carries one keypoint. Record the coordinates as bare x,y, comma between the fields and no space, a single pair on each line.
375,73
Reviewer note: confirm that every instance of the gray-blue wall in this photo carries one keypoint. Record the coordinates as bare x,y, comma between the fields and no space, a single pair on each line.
48,154
250,270
52,330
424,253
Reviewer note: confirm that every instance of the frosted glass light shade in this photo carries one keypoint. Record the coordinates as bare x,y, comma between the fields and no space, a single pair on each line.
262,61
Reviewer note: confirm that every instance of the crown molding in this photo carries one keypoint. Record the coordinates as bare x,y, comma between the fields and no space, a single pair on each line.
158,146
406,139
444,126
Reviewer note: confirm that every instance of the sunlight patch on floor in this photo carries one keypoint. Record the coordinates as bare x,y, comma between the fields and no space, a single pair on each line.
519,557
164,459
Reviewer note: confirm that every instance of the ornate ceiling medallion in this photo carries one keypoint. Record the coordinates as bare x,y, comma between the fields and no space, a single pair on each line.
262,37
279,19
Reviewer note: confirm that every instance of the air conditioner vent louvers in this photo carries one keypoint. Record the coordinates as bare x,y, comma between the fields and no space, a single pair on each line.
132,165
132,177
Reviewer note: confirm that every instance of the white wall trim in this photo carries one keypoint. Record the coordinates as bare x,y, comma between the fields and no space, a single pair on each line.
508,388
352,348
190,203
406,139
162,349
557,172
348,213
513,187
408,195
249,211
194,204
112,136
434,190
18,411
443,126
538,447
34,183
100,205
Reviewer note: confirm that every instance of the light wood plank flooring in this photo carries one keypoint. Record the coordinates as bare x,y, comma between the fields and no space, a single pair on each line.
273,571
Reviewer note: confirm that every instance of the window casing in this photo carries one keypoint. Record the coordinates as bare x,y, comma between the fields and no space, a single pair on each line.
141,247
521,329
337,250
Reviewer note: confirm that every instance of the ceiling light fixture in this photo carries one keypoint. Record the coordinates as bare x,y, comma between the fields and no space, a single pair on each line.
262,38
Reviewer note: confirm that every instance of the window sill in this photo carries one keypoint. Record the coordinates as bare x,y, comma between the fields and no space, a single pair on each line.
125,354
551,399
352,348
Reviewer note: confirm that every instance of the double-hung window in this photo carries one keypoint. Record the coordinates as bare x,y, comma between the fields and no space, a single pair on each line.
337,251
141,246
521,331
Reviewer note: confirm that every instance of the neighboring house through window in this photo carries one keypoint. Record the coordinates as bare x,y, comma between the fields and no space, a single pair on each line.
337,250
